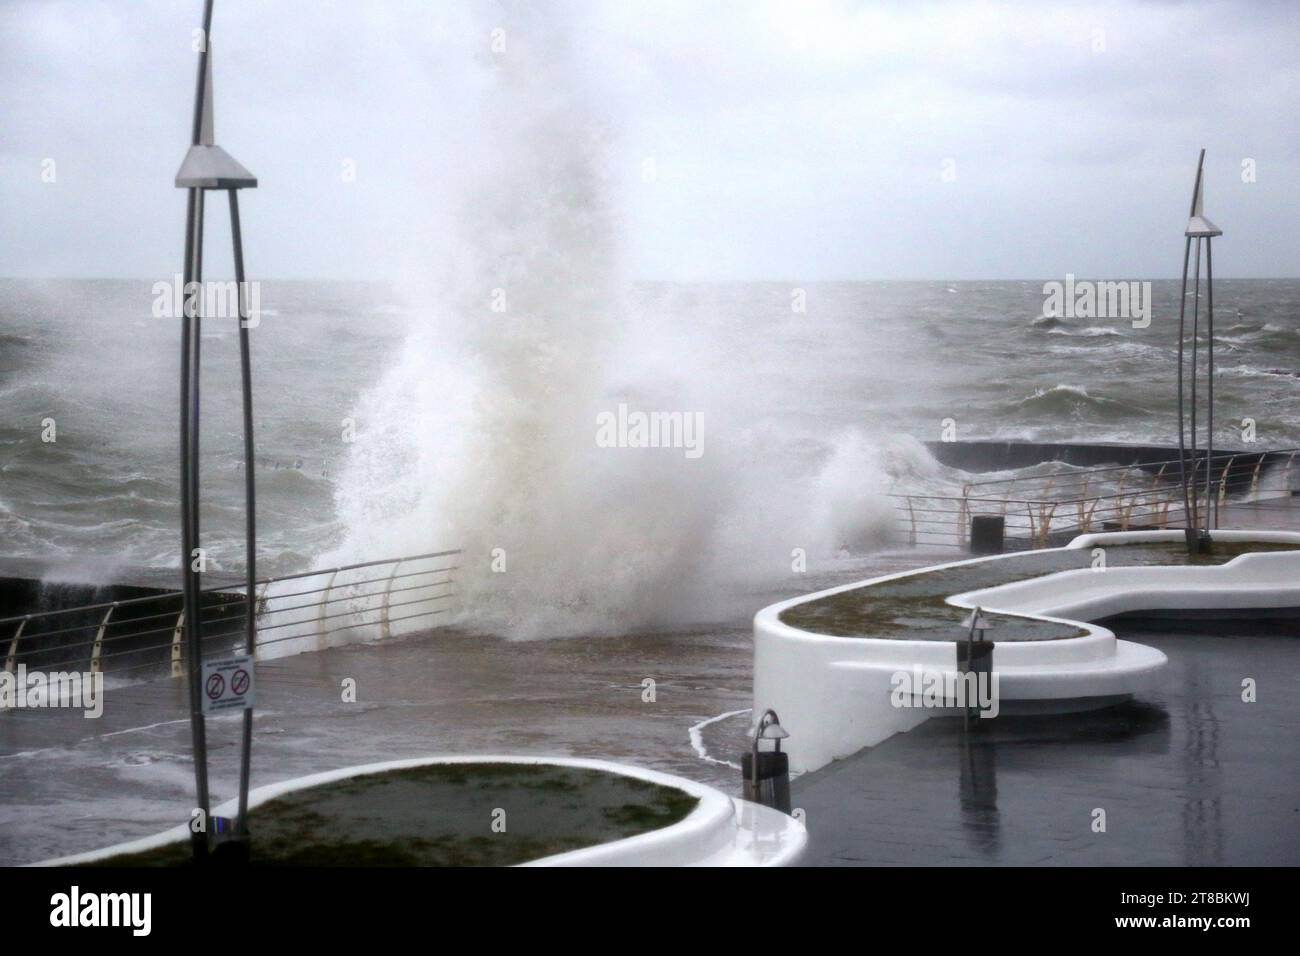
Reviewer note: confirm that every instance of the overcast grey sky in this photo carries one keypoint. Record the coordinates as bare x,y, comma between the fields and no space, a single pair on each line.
765,139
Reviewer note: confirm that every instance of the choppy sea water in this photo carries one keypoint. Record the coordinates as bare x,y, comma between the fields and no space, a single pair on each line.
464,422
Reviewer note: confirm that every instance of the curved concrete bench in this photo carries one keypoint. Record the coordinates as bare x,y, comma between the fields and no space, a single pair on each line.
835,694
720,831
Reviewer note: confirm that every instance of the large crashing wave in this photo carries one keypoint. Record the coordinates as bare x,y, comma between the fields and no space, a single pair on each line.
483,435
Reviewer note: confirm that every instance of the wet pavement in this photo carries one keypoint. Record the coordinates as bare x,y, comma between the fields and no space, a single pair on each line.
1190,775
69,784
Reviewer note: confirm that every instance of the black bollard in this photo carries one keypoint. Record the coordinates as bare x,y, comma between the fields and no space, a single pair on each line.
771,785
767,772
986,534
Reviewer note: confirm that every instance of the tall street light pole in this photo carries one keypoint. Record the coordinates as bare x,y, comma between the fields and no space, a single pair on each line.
209,167
1202,230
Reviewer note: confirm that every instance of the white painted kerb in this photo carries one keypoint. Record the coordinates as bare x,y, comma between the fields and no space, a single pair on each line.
720,831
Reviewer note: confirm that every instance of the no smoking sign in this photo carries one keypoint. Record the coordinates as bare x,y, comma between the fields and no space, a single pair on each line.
228,684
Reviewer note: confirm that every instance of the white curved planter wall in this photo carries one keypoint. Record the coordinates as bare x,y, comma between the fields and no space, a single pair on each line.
720,831
833,693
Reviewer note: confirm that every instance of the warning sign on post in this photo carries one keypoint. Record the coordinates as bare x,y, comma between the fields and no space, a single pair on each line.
228,684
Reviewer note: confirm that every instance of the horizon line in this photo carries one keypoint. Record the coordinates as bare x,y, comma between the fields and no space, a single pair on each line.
667,279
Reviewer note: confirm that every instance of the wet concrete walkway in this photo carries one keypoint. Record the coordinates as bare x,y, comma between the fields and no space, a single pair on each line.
68,784
1192,776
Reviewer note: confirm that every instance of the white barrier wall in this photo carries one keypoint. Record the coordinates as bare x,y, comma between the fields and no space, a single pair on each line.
833,694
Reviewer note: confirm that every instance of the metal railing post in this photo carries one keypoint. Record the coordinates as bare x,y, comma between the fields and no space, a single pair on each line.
384,630
97,649
320,613
963,516
1223,487
178,633
11,659
263,607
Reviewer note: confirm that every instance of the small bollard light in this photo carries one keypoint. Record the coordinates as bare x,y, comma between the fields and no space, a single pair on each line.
976,623
767,772
974,655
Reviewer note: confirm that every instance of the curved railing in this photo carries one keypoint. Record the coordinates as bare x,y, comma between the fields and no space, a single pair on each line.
145,636
1042,508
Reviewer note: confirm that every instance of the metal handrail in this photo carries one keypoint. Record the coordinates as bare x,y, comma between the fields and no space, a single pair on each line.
1070,502
1064,481
277,640
218,588
111,625
234,606
1084,472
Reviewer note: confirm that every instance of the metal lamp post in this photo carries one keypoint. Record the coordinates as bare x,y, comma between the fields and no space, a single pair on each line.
208,167
1200,229
975,655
